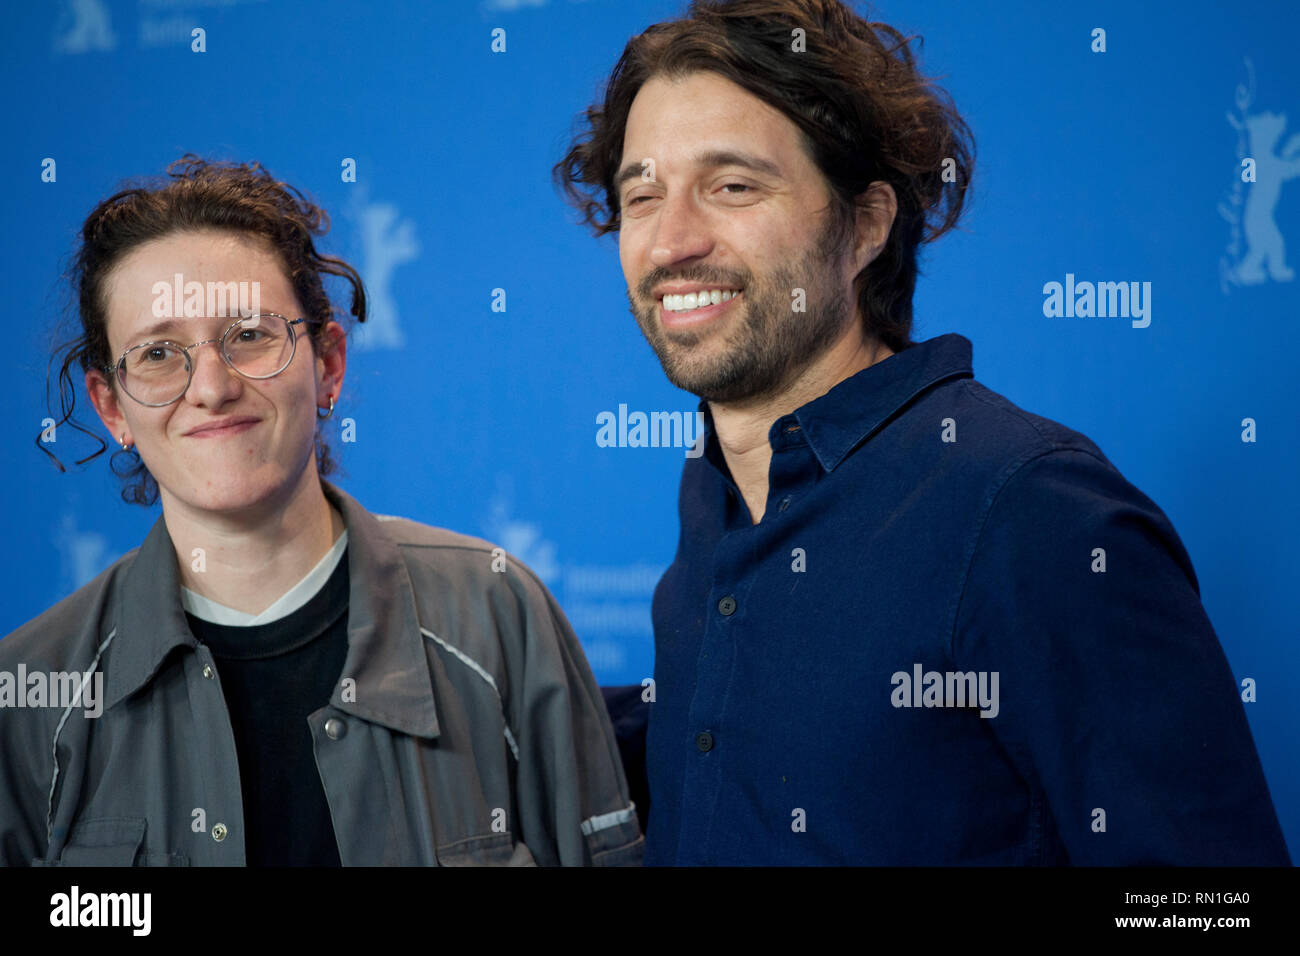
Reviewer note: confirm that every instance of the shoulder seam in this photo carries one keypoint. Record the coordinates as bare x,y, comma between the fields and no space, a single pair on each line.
514,563
487,547
1017,412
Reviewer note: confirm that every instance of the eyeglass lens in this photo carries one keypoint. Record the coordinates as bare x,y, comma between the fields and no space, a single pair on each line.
259,347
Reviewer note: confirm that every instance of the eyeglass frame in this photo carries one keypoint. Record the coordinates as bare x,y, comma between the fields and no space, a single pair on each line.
111,370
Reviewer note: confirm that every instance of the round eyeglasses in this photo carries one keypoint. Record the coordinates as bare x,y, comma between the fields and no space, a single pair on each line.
256,346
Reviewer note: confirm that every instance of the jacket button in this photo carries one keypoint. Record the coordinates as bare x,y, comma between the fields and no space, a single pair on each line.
335,728
727,606
704,741
207,671
218,831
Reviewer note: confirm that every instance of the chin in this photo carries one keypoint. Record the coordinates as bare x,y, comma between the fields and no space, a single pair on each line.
231,497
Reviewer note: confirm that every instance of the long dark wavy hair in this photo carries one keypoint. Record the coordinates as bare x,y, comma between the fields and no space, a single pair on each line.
865,113
194,194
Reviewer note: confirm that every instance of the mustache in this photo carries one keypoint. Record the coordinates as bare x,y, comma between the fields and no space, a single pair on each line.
645,288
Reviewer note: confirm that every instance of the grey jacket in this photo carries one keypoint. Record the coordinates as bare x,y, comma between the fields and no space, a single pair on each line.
474,732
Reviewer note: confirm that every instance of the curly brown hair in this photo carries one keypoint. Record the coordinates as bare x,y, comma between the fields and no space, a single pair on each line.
864,111
194,194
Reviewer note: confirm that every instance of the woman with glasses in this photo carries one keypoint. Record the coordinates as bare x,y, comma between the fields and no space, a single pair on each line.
277,676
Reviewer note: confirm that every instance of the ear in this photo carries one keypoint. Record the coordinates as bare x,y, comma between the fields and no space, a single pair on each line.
331,363
105,399
874,214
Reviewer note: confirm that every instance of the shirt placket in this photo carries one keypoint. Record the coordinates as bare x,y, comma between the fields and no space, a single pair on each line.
213,741
724,616
737,564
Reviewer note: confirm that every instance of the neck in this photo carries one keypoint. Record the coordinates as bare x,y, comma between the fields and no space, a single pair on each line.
742,427
250,558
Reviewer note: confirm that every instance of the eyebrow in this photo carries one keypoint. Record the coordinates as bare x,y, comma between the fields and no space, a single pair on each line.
172,326
710,160
159,328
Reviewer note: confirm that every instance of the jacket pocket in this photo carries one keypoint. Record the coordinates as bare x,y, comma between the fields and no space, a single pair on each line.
111,841
498,849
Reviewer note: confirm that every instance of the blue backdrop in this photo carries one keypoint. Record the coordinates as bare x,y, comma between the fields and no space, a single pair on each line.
1115,165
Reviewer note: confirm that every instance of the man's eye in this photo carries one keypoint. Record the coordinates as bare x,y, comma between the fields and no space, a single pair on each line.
736,186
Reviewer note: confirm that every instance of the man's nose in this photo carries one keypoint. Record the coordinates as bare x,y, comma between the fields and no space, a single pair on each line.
682,232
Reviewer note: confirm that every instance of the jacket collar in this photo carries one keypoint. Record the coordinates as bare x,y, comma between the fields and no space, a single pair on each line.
386,654
149,621
853,410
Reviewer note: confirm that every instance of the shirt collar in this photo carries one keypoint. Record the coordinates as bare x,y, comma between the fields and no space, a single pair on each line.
386,654
853,410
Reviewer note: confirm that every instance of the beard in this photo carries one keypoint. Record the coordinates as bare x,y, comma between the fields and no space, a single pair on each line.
769,344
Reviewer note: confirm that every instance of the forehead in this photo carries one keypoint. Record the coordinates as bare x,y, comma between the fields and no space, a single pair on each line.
673,118
204,256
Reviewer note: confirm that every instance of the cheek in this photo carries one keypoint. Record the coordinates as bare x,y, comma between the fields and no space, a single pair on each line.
149,423
625,259
631,250
300,407
297,426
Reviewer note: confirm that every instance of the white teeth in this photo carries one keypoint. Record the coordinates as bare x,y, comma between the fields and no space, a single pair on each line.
688,301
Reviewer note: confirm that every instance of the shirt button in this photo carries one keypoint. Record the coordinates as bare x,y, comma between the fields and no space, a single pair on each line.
207,671
335,728
218,832
704,741
785,502
727,606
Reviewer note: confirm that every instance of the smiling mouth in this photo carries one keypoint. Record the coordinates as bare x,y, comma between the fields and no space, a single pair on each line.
678,311
221,431
685,303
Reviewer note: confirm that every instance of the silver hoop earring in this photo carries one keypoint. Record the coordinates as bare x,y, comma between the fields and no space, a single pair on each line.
327,414
122,441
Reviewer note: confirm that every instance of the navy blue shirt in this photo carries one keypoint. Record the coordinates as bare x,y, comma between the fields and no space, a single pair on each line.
957,636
